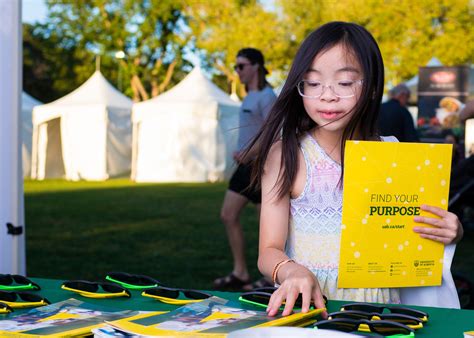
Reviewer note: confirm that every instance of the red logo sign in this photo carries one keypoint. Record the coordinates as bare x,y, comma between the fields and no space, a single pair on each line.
443,77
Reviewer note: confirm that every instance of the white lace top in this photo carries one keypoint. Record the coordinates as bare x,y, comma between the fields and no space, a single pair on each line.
315,226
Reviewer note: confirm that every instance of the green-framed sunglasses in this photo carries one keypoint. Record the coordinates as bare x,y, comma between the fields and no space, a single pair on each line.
132,281
16,283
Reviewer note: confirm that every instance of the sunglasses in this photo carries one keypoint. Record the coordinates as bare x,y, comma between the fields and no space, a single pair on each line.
29,299
171,295
5,308
21,283
261,297
241,66
383,327
91,289
423,316
413,322
132,281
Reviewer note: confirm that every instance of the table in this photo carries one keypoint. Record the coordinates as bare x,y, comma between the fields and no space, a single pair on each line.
443,323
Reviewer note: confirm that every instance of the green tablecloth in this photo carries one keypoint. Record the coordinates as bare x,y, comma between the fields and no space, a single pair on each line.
445,323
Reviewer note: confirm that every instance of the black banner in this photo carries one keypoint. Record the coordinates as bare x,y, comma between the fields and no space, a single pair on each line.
446,85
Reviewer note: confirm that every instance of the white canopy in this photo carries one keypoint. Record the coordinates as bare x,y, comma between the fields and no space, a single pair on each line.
27,105
187,134
83,135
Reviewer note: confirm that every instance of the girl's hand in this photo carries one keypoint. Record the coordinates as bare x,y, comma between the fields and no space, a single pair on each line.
299,280
447,229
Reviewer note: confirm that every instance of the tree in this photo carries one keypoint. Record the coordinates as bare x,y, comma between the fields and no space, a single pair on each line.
409,33
222,28
149,32
47,68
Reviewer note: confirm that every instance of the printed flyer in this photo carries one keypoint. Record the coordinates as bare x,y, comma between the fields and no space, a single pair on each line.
385,183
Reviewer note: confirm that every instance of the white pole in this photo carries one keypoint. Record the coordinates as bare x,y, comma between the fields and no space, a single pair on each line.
12,232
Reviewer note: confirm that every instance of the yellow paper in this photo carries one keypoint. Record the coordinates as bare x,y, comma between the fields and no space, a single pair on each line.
384,185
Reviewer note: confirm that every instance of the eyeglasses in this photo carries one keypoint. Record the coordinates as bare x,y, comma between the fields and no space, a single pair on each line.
30,299
261,297
22,283
5,308
241,66
365,307
170,295
410,321
314,89
131,281
90,289
383,327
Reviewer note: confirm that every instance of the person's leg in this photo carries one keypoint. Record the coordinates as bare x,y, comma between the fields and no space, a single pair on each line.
230,216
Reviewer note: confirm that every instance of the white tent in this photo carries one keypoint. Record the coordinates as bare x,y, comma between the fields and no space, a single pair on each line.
187,134
83,135
27,105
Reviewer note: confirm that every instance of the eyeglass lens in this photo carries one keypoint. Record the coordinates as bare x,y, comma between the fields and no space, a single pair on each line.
315,88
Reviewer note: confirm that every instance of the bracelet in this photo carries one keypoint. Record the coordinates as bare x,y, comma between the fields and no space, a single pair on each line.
277,267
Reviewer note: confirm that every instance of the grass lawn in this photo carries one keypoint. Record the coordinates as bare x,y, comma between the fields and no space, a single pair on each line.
169,231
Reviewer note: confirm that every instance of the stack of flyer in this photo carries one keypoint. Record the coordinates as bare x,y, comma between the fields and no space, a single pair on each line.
214,317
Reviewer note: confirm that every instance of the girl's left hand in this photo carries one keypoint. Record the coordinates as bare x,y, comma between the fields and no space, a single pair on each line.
447,229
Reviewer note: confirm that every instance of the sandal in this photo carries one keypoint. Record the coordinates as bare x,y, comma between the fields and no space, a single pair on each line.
230,282
260,283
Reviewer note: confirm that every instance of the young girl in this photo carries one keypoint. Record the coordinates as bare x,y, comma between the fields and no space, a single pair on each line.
332,94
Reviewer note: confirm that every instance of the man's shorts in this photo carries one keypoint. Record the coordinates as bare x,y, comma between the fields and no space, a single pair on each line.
240,182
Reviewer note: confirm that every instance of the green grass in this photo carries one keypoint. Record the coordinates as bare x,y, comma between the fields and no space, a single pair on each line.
169,231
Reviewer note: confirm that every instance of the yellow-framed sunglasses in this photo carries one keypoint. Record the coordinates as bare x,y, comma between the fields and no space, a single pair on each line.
29,299
92,289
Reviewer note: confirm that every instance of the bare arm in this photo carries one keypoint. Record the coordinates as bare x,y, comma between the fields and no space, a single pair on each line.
293,278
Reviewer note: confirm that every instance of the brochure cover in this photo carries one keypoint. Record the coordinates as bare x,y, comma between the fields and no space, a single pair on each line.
385,183
64,319
214,316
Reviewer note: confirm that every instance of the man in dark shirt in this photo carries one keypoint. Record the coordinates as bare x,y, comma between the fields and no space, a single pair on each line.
395,119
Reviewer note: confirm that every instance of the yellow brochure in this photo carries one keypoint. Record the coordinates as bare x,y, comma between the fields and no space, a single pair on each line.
385,183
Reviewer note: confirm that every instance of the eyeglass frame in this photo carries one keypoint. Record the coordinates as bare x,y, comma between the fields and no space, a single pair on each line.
330,86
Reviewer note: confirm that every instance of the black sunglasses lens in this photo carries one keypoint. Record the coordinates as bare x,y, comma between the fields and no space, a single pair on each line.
21,279
132,279
82,285
343,326
162,292
6,279
363,307
350,314
7,296
112,288
192,294
388,328
402,319
269,289
29,297
409,312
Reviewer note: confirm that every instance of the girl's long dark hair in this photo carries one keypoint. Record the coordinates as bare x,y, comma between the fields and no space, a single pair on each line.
288,119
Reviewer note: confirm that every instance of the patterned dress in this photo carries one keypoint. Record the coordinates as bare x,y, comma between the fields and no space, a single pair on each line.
315,227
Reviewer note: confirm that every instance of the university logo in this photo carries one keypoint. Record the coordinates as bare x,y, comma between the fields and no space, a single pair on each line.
416,263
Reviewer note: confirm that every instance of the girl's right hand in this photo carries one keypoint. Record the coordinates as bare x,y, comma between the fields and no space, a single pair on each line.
299,280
